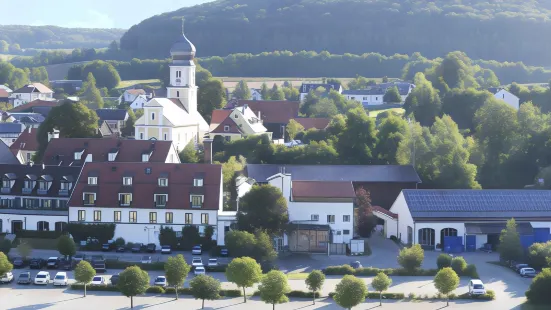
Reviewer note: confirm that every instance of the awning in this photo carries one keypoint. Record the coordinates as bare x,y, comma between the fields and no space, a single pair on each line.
495,228
307,226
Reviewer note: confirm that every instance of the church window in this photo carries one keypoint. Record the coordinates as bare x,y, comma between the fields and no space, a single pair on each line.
141,135
152,116
178,74
166,137
177,93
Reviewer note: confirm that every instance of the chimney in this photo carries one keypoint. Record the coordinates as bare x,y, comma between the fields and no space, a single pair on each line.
207,144
259,118
30,129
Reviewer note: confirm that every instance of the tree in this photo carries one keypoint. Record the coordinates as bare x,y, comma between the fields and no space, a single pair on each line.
392,95
446,281
240,243
355,137
423,101
167,236
205,287
411,258
120,241
73,120
39,74
230,171
291,93
459,264
244,272
242,91
211,96
443,261
133,281
104,72
4,47
66,246
538,254
5,246
324,108
84,273
366,219
510,248
391,131
314,282
538,293
265,92
18,78
14,48
350,292
189,154
24,250
293,128
462,104
263,207
90,93
276,93
5,265
381,283
454,71
176,271
273,288
128,130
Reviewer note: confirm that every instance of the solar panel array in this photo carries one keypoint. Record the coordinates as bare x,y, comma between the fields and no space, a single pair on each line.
478,200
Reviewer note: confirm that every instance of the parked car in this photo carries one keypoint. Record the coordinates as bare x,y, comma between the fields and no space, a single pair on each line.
98,280
79,257
53,262
151,248
106,247
356,265
65,264
213,262
518,267
476,287
197,250
37,263
165,249
146,259
196,262
18,263
199,270
24,278
137,247
224,252
98,263
121,249
527,272
43,278
61,279
160,281
114,279
6,277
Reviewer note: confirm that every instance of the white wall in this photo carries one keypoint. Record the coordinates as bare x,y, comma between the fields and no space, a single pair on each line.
138,103
480,240
404,220
509,98
181,136
31,221
437,229
366,99
541,224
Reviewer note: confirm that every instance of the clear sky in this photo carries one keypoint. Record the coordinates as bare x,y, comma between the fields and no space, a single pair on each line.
86,13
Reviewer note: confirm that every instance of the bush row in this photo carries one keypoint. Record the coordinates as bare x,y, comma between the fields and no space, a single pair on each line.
490,295
470,271
295,294
152,290
154,266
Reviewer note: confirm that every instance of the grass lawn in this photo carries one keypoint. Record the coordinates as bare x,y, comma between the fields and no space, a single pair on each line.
297,276
375,113
256,82
130,83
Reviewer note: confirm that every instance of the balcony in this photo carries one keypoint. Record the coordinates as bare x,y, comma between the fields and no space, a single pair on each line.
5,190
63,192
27,190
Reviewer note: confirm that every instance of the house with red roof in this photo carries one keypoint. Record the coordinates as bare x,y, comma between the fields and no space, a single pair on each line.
31,92
238,123
26,145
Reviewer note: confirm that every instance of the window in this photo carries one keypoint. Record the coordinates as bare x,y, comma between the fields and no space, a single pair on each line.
331,219
227,138
64,186
141,135
314,217
81,215
132,216
168,217
376,98
89,198
43,185
153,116
365,98
163,182
189,218
352,98
204,218
6,183
160,200
145,158
196,201
29,156
112,156
117,216
127,181
346,218
29,184
152,217
125,199
226,128
47,204
178,74
78,155
198,182
177,94
346,232
166,137
97,216
92,181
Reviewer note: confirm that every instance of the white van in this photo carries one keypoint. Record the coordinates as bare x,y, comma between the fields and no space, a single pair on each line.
61,279
42,277
476,287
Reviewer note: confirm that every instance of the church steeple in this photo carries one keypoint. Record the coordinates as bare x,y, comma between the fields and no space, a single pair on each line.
183,49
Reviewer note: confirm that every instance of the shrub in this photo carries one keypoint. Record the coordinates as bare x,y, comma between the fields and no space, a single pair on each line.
538,293
38,234
117,264
444,260
459,264
181,291
490,295
302,294
538,254
120,241
375,295
155,290
92,287
411,258
339,270
411,296
470,271
230,293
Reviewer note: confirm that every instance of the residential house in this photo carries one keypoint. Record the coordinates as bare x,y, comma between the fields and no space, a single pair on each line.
374,95
255,94
313,123
305,88
275,114
217,117
9,132
115,118
36,106
26,145
105,131
506,96
130,95
175,118
30,93
240,123
6,88
463,219
6,155
140,198
30,120
68,86
34,197
77,151
139,102
4,96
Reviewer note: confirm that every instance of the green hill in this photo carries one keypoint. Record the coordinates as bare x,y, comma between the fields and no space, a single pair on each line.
52,37
512,30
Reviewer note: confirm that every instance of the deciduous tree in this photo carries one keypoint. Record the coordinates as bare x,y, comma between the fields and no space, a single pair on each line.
242,91
133,281
509,247
446,281
276,93
5,265
211,96
66,246
265,92
189,154
538,293
411,258
244,272
350,292
205,287
273,288
90,94
392,95
84,273
423,101
263,207
24,249
293,128
176,271
314,282
381,283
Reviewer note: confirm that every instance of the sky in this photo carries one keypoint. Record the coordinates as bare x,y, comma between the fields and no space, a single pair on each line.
87,13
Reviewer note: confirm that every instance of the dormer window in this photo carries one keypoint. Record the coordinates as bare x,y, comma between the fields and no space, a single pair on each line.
89,198
127,181
92,180
6,183
78,155
112,156
145,158
198,182
163,182
196,201
160,200
125,199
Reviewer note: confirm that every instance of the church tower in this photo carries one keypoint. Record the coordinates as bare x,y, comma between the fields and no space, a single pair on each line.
182,73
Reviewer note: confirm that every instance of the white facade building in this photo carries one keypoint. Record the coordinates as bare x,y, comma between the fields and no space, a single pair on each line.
255,94
504,95
31,92
139,102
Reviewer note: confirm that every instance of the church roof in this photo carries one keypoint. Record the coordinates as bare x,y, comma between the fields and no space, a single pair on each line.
175,113
183,45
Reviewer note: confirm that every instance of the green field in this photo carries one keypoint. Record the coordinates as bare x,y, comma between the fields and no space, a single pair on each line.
155,83
6,57
375,113
256,82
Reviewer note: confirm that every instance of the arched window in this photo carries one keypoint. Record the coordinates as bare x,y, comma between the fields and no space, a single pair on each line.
447,232
426,236
43,226
60,226
152,116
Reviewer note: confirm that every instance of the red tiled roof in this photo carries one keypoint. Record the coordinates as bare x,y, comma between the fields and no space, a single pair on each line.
136,92
35,103
273,111
316,123
384,211
145,185
62,151
227,122
4,93
322,189
26,141
218,116
42,88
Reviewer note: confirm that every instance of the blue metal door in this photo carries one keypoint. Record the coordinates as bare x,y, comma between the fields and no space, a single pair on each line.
471,243
541,235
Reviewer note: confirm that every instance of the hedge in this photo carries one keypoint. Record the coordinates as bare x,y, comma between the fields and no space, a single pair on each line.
117,264
295,294
490,295
38,234
155,290
370,271
93,287
152,289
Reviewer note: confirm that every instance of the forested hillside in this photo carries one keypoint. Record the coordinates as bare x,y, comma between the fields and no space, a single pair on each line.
511,30
57,37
